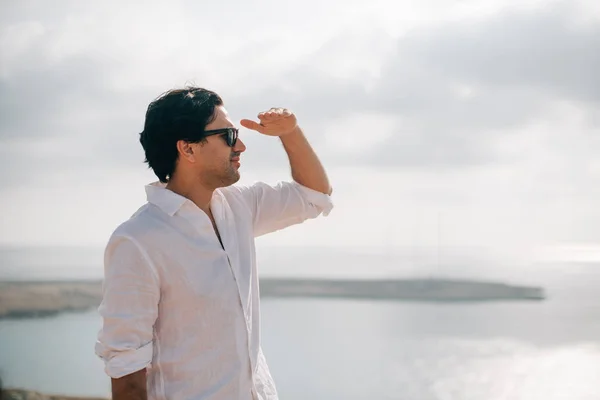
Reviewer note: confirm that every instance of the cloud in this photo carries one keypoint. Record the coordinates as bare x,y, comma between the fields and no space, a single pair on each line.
49,101
546,49
444,95
457,87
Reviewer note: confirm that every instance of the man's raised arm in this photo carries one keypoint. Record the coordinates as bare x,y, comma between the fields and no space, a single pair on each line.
306,167
288,203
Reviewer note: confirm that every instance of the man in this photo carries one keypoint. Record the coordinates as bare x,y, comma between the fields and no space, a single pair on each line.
180,302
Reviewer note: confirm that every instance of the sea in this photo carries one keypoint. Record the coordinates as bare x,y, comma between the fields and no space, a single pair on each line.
356,350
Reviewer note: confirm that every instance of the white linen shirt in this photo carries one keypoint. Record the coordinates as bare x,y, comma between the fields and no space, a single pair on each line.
177,303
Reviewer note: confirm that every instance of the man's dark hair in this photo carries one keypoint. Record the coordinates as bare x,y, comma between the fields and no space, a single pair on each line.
179,114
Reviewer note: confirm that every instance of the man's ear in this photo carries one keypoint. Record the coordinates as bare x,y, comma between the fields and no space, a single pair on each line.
186,150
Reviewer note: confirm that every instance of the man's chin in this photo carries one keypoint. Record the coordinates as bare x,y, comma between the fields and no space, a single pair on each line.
231,179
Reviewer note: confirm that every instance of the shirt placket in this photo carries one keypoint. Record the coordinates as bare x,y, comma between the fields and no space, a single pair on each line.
230,244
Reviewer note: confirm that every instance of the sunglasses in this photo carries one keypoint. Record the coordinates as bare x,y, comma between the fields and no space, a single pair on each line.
229,134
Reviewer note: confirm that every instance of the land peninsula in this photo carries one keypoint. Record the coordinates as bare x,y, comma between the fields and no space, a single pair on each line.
38,299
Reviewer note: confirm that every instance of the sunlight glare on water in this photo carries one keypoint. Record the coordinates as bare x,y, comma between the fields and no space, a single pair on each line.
495,370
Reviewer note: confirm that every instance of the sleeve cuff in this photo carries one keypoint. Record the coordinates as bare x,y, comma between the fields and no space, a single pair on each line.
128,361
316,199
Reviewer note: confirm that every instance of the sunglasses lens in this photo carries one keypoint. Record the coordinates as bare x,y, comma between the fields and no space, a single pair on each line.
232,136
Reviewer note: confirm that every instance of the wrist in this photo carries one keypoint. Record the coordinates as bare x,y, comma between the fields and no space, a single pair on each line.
293,135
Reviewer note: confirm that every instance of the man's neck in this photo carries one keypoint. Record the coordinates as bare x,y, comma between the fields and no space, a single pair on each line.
194,191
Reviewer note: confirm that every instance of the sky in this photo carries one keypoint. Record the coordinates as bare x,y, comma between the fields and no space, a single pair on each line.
454,123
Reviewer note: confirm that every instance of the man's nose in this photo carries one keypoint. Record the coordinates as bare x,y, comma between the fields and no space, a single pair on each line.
239,146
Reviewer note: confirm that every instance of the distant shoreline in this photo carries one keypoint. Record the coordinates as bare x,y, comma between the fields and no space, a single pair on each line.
30,299
21,394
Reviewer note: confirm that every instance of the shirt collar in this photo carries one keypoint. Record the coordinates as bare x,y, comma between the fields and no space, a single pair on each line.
168,201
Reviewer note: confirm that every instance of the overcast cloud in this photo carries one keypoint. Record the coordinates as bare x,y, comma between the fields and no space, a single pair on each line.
487,113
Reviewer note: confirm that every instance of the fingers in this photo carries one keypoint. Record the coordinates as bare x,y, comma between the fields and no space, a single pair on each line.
255,126
274,113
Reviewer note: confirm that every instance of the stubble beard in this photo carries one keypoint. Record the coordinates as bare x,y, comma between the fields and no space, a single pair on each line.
233,175
229,176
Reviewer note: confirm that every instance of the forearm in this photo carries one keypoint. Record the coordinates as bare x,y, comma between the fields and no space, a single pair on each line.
130,387
306,167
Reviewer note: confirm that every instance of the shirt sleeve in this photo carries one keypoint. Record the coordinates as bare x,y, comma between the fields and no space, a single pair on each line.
129,309
275,207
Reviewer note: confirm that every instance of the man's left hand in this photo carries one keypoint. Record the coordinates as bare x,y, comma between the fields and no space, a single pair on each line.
275,122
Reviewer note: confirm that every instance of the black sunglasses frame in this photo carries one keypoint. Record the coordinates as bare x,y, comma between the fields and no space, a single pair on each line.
229,134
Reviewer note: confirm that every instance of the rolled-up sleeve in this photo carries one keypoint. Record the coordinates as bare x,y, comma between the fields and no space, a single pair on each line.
129,308
287,203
